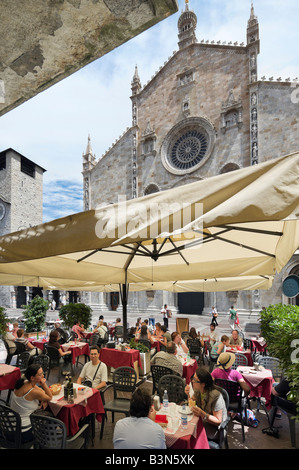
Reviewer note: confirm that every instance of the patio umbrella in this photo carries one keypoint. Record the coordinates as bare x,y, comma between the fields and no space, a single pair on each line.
242,223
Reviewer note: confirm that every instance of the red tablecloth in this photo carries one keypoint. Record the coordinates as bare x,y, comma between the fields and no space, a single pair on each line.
38,343
260,386
189,370
8,376
247,354
77,350
115,358
71,414
191,442
258,346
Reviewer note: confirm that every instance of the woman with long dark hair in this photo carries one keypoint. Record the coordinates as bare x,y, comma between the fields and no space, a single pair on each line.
210,405
31,393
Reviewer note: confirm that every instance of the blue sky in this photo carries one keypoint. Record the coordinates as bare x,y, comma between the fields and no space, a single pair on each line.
52,128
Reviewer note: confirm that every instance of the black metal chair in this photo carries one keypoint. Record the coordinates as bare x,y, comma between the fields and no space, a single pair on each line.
220,441
50,433
185,335
273,364
240,360
175,387
54,357
145,342
103,341
288,408
44,361
195,348
10,429
11,351
237,400
23,360
119,332
124,381
157,372
20,347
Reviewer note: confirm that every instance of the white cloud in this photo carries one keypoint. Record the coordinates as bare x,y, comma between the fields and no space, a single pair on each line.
52,128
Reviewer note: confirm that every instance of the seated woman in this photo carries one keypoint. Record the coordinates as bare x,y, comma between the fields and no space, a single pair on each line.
159,334
218,348
182,349
210,405
144,334
194,335
65,356
30,395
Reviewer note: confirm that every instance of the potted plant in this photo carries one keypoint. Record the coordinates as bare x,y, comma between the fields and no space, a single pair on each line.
279,327
145,356
35,314
72,313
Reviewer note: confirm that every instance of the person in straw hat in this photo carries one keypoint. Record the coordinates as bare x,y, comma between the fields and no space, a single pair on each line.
223,370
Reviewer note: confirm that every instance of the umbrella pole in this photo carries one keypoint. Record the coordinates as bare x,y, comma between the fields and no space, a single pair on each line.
124,300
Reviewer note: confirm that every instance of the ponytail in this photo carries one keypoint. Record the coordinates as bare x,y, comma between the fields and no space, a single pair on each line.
31,371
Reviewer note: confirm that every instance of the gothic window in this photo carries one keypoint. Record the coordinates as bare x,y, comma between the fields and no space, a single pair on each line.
229,167
2,161
188,146
27,167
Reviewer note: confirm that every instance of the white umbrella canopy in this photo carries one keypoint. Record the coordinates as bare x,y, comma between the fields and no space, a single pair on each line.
243,223
235,225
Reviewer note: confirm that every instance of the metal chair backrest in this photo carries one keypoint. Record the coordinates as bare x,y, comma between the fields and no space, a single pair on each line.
53,354
9,350
224,394
20,347
194,346
23,360
94,339
10,428
124,380
273,364
175,387
49,433
158,372
145,342
233,389
185,335
119,331
43,360
241,360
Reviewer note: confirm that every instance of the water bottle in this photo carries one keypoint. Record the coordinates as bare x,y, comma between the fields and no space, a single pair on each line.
188,356
165,400
184,418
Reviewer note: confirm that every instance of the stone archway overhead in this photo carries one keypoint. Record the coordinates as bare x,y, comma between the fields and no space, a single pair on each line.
188,145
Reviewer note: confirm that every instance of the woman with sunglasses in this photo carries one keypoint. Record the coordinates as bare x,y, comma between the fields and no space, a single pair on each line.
210,405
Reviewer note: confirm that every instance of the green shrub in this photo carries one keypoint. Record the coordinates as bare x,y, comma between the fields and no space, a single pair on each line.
35,314
141,347
280,328
72,313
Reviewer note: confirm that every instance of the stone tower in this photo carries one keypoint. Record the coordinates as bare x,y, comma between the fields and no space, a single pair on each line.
21,206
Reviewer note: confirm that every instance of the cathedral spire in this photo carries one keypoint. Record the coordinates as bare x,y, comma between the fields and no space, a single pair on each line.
187,25
88,150
136,83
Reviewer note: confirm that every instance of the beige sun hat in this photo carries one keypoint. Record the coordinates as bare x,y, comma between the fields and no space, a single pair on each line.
226,360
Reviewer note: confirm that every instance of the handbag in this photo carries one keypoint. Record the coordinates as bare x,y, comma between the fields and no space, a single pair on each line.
169,313
88,383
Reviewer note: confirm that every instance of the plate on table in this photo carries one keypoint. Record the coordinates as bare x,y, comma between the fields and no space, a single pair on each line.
186,412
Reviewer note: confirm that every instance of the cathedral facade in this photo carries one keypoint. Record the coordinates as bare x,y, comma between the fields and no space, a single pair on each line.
205,112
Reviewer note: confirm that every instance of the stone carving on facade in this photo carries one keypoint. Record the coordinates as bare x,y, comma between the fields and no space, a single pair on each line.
148,141
232,113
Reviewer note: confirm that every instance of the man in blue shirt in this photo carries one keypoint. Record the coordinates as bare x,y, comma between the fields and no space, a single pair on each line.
139,431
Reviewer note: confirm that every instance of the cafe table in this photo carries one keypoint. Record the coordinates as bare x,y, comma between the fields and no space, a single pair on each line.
260,382
78,349
84,405
38,343
8,377
240,350
117,358
193,437
259,344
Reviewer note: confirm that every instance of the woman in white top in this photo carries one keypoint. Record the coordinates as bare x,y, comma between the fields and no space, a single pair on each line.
28,397
182,348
